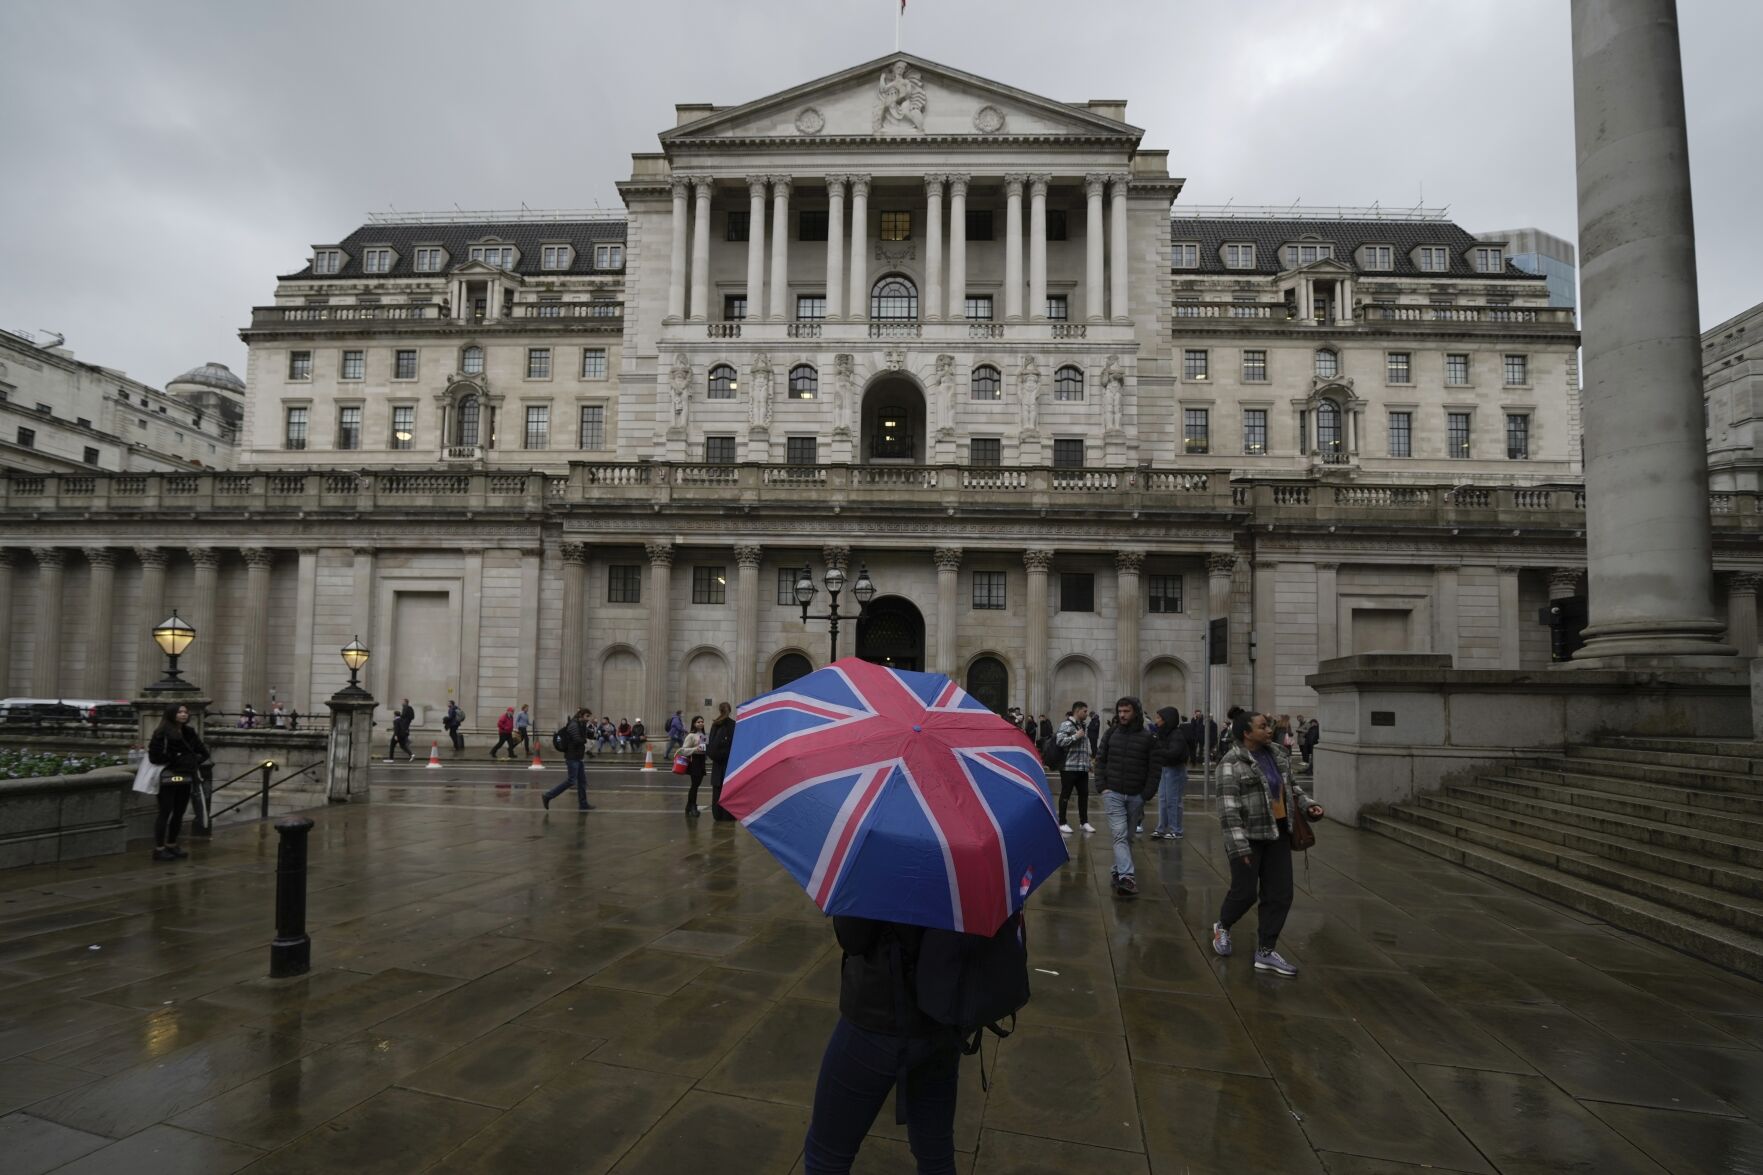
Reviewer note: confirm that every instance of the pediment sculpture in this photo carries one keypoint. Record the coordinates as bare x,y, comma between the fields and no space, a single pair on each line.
901,100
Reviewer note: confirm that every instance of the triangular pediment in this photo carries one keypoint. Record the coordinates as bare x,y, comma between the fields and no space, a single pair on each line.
901,96
1322,267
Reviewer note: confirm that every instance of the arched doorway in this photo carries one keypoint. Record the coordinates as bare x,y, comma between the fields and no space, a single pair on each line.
1166,684
706,680
988,681
891,633
893,422
788,668
1075,680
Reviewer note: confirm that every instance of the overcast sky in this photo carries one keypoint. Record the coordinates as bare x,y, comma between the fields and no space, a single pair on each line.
164,161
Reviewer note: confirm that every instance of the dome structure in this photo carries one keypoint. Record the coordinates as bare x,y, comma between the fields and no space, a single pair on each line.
211,375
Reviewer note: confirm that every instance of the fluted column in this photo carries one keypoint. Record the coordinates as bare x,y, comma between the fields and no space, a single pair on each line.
147,655
701,252
835,247
1328,610
1037,247
201,618
957,247
658,657
1035,679
1117,243
858,310
676,276
1127,565
254,666
1741,613
569,657
46,656
6,627
948,561
933,248
1094,234
1013,247
755,250
747,557
780,251
1220,569
100,620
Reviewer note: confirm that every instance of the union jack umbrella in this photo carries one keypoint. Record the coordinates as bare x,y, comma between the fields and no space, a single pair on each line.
896,796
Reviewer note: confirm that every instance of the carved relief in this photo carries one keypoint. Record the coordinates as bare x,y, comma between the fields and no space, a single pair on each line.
1029,387
988,120
844,390
1113,394
948,392
810,121
893,359
901,100
679,382
759,383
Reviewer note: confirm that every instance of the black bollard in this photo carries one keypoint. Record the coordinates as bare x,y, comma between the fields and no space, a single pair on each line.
291,952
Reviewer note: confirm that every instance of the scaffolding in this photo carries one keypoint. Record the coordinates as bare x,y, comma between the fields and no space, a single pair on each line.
1232,210
492,216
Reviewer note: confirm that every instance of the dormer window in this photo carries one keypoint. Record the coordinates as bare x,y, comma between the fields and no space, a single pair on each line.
1307,254
608,256
430,260
556,257
501,256
1186,255
1379,257
376,261
1490,260
327,261
1432,258
1239,257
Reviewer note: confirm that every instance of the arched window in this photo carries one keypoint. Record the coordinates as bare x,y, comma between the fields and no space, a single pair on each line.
989,683
1068,383
1328,430
788,668
986,384
471,360
894,299
467,415
804,382
893,436
722,382
1328,364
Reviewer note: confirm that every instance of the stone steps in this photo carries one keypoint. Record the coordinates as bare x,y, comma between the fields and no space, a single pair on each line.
1696,778
1721,838
1720,802
1660,805
1682,746
1709,765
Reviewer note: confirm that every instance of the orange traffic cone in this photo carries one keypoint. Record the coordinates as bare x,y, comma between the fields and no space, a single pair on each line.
434,756
536,765
648,759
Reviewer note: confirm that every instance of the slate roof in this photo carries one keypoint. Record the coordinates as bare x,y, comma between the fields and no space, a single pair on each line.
1269,235
527,236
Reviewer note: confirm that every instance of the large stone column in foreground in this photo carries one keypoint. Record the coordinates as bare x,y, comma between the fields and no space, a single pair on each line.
1648,543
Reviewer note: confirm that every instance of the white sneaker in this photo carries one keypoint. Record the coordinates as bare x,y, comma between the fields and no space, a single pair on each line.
1066,829
1089,828
1138,828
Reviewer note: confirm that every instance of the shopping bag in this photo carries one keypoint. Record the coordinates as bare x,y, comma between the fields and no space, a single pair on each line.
147,776
679,764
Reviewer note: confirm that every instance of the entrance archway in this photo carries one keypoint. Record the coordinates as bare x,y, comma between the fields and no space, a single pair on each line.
893,422
788,668
891,633
988,681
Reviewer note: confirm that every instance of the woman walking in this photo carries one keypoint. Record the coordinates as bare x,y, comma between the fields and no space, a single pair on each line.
177,748
720,743
1256,796
693,748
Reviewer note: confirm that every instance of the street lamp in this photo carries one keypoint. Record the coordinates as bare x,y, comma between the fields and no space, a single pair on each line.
355,655
173,636
863,589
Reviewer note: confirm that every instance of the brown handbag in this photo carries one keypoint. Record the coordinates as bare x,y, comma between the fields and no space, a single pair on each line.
1303,835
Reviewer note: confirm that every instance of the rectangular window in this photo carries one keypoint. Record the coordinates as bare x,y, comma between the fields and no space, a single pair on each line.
1068,454
1401,434
1196,430
786,586
428,260
1255,431
538,363
1058,308
734,307
294,429
27,438
1380,257
1194,365
979,308
1056,225
801,450
988,591
1489,260
555,257
1457,369
1254,367
1517,436
1307,254
1457,435
719,450
1397,367
709,585
896,226
1077,592
1517,371
349,428
592,431
403,426
405,365
327,261
538,427
299,365
376,261
501,256
1165,593
608,256
810,307
84,423
1433,258
624,583
354,364
1239,257
986,451
739,227
1186,255
91,457
811,224
979,224
593,362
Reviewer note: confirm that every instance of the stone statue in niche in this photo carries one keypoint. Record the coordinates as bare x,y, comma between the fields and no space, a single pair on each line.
1029,384
679,381
947,394
844,387
760,380
1113,394
902,99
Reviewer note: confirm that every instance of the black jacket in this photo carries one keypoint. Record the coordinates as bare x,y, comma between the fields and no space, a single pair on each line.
181,758
575,740
870,995
1125,761
722,739
1171,739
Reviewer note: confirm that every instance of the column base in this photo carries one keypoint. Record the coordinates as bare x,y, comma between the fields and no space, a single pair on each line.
1655,645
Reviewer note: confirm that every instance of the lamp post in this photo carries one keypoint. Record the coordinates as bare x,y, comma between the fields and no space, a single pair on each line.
355,655
173,636
834,580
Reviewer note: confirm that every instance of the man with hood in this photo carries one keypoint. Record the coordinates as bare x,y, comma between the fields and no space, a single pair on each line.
1126,770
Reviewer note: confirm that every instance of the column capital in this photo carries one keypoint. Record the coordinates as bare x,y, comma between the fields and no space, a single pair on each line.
1120,181
204,556
957,182
780,185
933,183
1327,566
576,553
150,556
756,185
1037,184
836,555
257,556
100,556
660,554
859,185
682,188
1129,562
360,549
748,554
835,184
1037,560
1013,182
1094,182
947,558
1566,582
49,556
702,185
1743,582
1508,569
1221,564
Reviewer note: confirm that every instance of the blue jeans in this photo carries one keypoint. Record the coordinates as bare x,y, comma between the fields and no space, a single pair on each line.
1169,794
1124,814
574,774
856,1074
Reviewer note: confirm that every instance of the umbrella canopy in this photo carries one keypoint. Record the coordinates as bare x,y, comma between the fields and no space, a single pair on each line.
896,796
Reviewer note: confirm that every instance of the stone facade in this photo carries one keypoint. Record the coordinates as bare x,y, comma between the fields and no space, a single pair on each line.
1732,398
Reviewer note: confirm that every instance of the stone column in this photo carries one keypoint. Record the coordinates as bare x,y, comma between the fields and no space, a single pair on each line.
780,253
149,661
254,669
1035,671
1511,652
676,276
1127,565
858,310
1445,628
1741,613
1013,247
1220,570
1264,667
1649,548
933,248
1117,249
747,557
1037,247
835,247
100,620
701,252
957,247
1343,301
948,560
569,657
755,250
200,659
47,643
6,627
1093,237
1328,611
658,657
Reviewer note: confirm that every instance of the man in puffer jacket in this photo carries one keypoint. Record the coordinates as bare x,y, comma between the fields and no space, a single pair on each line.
1126,770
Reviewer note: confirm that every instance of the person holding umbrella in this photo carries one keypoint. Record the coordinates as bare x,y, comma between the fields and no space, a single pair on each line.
718,746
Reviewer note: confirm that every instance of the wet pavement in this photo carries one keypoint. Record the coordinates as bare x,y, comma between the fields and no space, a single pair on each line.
498,988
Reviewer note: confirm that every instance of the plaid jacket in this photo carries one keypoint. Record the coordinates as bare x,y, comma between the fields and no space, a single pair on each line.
1076,741
1243,808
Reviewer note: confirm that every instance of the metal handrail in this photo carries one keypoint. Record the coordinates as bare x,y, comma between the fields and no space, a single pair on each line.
266,767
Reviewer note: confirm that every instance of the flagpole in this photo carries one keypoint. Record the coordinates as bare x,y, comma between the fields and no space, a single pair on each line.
899,19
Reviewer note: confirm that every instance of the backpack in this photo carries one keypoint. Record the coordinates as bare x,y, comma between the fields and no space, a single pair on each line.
557,737
971,984
1052,754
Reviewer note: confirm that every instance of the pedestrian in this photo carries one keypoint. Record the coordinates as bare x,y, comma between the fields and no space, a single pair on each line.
248,717
1074,770
523,731
624,734
694,745
1173,753
278,718
401,723
177,748
1044,730
1256,793
1307,744
676,733
1095,731
504,733
721,742
1126,773
454,719
639,735
574,738
607,735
